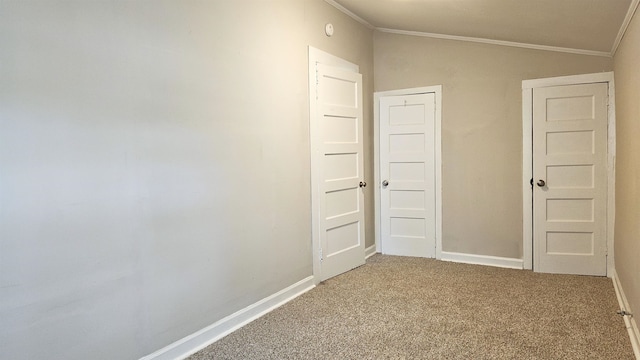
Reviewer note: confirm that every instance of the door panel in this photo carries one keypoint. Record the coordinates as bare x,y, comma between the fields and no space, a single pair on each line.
339,157
407,163
570,176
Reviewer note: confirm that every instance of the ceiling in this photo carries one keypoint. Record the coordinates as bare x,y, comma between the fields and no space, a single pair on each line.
589,26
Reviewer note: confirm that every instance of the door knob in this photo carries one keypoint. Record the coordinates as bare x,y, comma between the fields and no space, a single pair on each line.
363,184
385,183
541,183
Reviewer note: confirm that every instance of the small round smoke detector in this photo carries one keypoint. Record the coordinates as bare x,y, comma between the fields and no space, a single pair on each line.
328,29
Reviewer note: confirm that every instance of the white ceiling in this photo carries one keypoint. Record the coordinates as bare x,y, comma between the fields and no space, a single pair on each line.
586,25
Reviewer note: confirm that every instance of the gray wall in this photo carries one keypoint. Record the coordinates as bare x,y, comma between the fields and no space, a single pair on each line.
627,231
154,159
481,128
155,171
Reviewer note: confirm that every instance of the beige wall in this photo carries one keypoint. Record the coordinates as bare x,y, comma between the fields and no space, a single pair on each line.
627,231
481,127
155,166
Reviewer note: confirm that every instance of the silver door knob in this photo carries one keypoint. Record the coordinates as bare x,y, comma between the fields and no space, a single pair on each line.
363,184
385,183
541,183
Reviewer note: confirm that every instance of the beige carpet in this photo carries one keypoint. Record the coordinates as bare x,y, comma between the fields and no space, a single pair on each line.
411,308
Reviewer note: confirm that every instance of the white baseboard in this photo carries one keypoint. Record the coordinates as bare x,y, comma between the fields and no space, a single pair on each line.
497,261
197,341
629,321
370,251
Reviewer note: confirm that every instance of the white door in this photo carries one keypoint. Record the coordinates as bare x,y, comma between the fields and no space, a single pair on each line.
338,164
407,173
570,179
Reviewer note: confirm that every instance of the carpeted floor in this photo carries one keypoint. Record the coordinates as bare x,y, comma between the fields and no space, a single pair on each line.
413,308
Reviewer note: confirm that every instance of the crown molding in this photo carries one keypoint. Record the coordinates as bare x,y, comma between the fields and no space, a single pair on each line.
350,14
632,9
498,42
625,24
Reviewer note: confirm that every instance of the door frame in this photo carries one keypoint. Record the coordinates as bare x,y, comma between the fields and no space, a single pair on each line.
527,158
437,90
318,56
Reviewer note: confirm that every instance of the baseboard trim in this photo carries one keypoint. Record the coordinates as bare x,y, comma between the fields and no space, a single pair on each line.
496,261
629,321
197,341
370,251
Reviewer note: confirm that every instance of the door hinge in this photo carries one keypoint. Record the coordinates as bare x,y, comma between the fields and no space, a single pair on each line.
321,258
317,80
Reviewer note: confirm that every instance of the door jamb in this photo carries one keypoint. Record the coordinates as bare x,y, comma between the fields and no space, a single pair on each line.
527,158
437,90
317,56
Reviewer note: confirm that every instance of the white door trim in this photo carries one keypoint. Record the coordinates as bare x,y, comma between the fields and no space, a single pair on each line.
318,56
437,90
527,158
